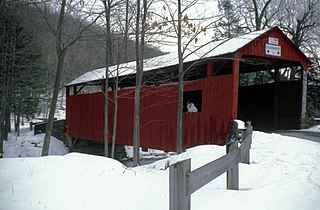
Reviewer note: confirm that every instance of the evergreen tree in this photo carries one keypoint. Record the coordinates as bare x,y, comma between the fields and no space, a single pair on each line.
22,79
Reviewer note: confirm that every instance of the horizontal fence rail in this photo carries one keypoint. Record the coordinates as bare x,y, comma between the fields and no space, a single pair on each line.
183,182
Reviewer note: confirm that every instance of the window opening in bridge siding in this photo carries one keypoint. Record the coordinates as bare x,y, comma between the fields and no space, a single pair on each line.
127,81
155,79
90,89
171,76
196,72
195,97
255,78
223,67
83,89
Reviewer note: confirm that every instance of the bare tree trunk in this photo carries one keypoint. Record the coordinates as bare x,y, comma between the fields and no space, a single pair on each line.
3,109
180,87
115,98
61,50
62,97
53,104
8,125
115,115
2,115
136,125
106,132
107,5
18,122
2,126
15,122
126,32
139,75
1,138
22,120
3,120
258,17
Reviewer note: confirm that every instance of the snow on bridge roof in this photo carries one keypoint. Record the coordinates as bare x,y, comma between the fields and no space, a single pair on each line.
211,49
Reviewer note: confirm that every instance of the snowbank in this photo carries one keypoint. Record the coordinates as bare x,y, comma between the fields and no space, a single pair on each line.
30,145
284,174
313,129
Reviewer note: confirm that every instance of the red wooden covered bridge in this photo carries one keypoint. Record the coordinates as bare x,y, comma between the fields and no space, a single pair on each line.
213,84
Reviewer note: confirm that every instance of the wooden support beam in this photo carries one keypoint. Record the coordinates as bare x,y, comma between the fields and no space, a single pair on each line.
235,73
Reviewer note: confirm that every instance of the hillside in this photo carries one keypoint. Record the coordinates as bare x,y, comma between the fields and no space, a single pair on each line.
86,54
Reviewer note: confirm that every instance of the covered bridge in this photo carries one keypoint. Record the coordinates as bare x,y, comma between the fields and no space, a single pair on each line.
218,83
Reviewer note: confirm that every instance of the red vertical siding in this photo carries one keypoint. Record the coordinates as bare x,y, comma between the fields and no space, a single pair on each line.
84,115
158,115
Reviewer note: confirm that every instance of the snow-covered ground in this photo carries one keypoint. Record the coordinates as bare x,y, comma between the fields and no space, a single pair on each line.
30,145
313,129
284,174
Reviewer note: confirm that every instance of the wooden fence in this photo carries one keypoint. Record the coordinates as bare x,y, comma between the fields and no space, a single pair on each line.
183,182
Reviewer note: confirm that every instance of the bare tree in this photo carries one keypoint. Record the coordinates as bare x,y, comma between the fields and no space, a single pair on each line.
186,31
180,84
63,43
300,20
259,14
121,52
140,42
107,10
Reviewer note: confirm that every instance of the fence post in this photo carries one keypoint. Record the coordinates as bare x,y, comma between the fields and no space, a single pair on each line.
179,193
244,136
233,174
247,136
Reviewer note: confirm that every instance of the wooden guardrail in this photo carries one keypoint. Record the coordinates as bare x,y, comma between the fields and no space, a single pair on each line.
183,182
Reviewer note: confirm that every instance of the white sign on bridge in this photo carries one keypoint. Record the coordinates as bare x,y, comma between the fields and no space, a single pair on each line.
272,40
273,50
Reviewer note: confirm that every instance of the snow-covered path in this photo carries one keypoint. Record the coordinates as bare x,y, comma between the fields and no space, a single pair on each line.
310,135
